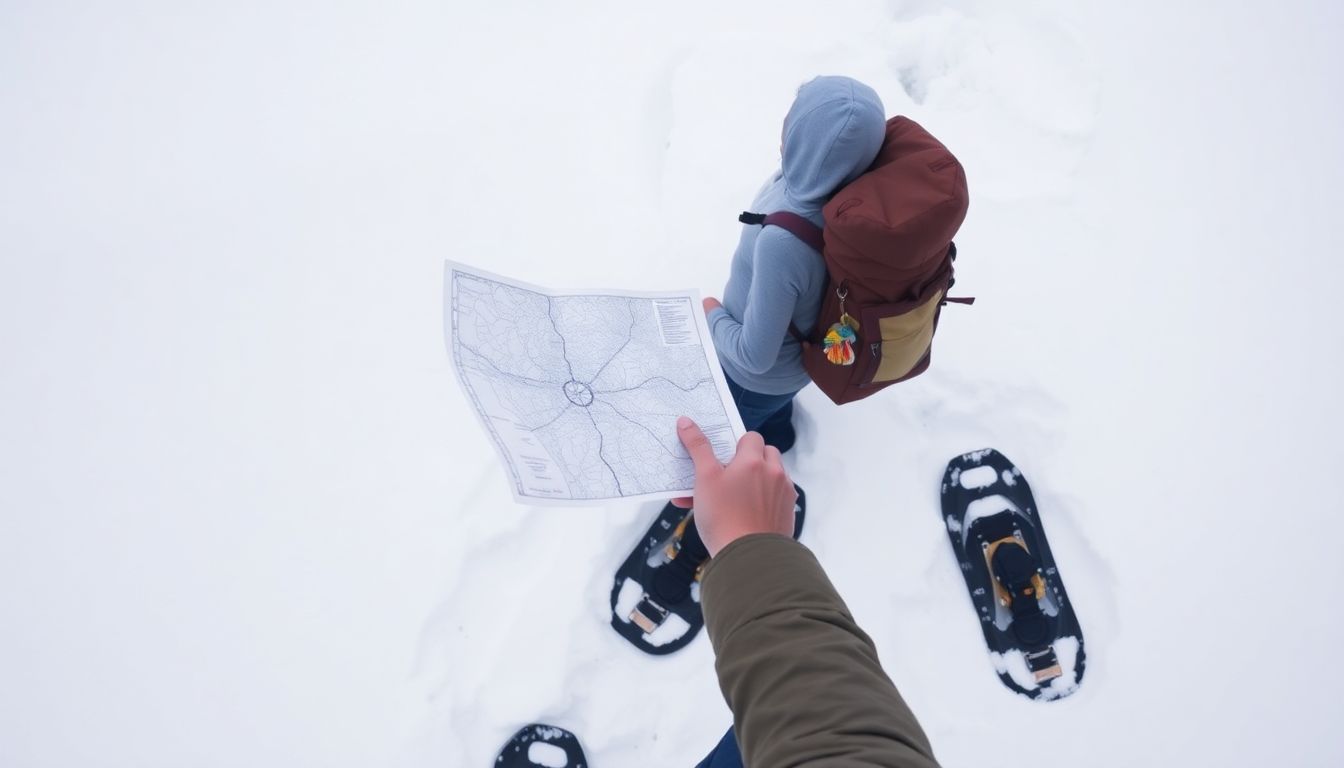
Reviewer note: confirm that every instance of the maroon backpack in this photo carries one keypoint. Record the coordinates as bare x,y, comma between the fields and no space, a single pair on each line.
888,249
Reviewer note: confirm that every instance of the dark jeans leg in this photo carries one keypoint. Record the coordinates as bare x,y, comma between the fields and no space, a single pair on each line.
724,755
771,415
777,429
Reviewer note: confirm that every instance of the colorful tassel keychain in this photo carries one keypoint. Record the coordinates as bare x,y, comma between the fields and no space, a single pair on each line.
841,338
839,344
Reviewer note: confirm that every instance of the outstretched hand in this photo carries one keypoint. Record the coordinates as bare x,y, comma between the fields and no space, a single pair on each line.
750,494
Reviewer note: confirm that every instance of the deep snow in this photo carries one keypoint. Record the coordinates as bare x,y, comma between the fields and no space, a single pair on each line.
247,518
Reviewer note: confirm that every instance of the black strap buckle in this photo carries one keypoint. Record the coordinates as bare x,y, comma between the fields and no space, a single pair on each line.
753,219
648,615
1044,664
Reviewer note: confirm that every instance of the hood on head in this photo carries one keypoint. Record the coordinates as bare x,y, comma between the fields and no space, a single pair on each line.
831,135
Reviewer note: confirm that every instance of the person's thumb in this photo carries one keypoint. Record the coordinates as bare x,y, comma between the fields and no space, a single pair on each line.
702,453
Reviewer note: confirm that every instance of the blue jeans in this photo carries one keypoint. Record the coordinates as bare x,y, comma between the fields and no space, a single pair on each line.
724,755
770,415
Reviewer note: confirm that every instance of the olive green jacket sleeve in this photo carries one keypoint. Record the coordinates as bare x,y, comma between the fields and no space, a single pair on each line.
803,681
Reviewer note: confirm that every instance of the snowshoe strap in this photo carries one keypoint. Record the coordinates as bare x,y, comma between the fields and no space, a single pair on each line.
1044,665
672,581
1015,570
648,615
687,537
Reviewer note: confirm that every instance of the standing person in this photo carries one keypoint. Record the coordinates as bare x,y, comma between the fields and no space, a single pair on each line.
831,136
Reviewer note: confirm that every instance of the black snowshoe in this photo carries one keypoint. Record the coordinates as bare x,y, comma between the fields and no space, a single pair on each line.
655,599
522,750
1032,632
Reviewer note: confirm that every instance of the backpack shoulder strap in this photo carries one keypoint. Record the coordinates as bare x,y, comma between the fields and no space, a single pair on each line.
792,223
795,225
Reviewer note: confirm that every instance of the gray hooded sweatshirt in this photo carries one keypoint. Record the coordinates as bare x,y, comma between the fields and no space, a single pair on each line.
831,135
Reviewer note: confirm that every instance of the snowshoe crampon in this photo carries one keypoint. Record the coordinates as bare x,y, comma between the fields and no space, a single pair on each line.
542,745
655,599
1034,639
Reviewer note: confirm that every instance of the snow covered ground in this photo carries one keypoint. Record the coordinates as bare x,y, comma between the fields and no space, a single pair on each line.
246,517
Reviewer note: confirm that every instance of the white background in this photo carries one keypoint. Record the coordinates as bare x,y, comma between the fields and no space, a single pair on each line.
246,517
